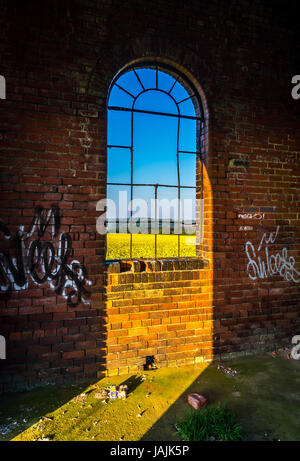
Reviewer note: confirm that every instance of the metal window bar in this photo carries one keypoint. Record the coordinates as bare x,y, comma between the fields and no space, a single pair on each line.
178,176
170,91
139,80
127,109
131,180
185,99
123,89
141,184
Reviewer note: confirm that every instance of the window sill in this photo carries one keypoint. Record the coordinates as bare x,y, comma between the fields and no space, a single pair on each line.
155,265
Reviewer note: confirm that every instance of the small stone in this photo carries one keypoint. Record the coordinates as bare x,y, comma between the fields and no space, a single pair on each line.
101,395
196,400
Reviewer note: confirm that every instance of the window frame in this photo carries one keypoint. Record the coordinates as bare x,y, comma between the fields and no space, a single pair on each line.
194,96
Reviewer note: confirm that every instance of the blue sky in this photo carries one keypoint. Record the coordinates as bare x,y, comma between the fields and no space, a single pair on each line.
154,136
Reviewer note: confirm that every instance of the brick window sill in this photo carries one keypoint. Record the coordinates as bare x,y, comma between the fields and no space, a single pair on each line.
155,265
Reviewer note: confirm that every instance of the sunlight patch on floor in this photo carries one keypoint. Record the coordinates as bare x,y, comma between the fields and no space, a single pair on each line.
87,418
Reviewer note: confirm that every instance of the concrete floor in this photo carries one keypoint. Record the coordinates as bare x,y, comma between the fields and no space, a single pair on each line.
265,397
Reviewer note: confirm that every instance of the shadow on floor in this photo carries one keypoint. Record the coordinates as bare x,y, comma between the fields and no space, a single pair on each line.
265,397
20,410
133,382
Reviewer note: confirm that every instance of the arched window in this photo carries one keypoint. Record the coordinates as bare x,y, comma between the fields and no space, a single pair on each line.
154,125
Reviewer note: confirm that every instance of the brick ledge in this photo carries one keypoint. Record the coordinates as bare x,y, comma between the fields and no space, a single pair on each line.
156,265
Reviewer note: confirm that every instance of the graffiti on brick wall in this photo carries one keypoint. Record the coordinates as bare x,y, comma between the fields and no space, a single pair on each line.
266,264
41,261
258,216
254,214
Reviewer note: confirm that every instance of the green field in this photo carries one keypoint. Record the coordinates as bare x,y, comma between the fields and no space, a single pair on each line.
118,246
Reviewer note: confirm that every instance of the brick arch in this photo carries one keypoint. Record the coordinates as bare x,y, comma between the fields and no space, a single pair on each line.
138,48
180,56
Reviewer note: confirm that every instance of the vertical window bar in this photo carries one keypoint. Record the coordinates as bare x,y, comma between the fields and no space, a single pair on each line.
155,220
178,175
131,183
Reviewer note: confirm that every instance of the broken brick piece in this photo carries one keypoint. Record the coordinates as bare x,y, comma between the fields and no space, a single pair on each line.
196,400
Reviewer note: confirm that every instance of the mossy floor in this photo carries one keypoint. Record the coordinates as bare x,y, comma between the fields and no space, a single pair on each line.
265,396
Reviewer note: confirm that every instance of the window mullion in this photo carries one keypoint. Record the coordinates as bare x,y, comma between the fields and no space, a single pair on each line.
155,220
178,175
131,183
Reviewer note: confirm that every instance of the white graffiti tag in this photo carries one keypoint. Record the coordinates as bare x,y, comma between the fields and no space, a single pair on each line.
266,265
251,216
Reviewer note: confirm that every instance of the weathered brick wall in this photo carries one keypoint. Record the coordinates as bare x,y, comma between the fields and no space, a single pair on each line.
163,310
59,59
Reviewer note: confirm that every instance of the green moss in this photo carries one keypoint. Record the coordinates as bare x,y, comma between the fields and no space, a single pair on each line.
87,418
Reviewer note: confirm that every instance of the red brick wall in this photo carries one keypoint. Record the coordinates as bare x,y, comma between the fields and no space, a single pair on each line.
58,59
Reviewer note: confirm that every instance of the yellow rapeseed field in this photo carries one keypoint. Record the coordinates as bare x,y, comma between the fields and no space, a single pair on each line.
118,246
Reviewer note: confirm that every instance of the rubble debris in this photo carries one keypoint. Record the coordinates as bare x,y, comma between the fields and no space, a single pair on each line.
228,371
80,398
283,352
196,400
236,394
102,395
112,392
122,391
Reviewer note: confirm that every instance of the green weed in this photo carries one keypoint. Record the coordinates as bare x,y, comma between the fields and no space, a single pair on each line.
211,423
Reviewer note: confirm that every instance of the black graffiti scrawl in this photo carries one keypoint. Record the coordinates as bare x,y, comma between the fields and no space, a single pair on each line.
38,259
